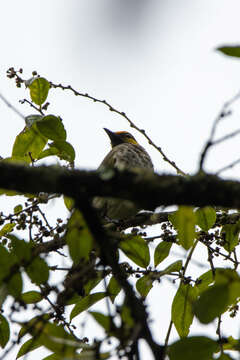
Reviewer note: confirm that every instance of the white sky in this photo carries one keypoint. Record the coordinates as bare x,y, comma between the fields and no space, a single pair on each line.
154,60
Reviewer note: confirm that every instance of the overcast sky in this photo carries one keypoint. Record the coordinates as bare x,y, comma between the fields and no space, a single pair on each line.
154,60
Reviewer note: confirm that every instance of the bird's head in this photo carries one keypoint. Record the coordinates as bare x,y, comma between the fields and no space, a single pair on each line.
120,137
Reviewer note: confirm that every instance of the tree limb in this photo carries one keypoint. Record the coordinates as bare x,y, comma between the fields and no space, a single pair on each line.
147,189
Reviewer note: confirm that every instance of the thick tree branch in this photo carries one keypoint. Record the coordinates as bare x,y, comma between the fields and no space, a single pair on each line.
149,190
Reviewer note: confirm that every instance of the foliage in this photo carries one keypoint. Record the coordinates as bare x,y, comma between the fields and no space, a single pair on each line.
28,239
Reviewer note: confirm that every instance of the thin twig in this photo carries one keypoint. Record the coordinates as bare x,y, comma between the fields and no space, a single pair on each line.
168,334
45,219
218,332
226,137
12,107
223,113
227,167
211,262
32,105
189,257
123,114
216,252
235,258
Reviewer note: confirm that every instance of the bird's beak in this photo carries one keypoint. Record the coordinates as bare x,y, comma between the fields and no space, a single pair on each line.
115,138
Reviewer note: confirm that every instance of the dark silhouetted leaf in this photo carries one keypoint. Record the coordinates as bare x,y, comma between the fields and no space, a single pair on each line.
212,303
113,288
202,348
31,297
231,236
52,336
174,267
161,252
136,248
206,217
86,302
38,271
4,331
103,320
79,238
27,347
65,150
52,128
144,284
230,50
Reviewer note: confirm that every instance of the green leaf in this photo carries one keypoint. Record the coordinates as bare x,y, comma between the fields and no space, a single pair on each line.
79,238
58,357
98,276
86,302
31,297
37,323
7,228
205,280
4,331
31,119
15,284
39,89
212,303
231,235
3,293
28,141
52,128
65,150
226,276
28,346
113,288
184,221
206,217
17,209
176,266
90,354
144,285
48,152
52,336
15,160
8,260
38,271
103,320
230,50
161,252
224,357
69,203
9,192
9,273
215,300
202,348
128,322
20,248
136,248
232,344
182,313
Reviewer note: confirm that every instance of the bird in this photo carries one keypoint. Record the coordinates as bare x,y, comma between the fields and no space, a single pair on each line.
126,154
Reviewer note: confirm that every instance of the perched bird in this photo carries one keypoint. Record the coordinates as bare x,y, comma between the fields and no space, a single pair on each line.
126,154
